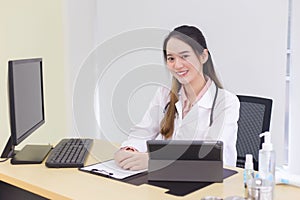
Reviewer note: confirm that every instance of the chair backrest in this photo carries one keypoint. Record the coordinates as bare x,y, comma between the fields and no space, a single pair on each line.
255,118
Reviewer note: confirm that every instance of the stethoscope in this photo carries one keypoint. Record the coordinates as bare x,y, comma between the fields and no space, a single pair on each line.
212,108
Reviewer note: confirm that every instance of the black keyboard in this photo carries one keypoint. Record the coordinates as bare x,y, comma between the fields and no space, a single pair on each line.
71,152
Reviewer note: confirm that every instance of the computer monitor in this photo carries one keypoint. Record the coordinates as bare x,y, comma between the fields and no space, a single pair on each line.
27,113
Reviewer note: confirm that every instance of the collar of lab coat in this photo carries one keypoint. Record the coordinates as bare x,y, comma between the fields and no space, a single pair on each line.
205,101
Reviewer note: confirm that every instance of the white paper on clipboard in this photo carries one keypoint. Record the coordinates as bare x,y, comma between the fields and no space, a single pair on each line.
110,169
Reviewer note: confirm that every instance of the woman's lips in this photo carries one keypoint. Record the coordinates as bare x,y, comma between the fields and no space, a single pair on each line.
182,73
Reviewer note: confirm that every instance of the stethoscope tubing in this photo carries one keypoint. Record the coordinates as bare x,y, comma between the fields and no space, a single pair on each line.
212,108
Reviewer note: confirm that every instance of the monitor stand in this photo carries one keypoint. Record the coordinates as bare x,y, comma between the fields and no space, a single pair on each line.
31,154
9,148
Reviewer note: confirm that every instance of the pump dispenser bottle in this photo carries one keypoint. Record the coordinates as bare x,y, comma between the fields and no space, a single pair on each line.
266,163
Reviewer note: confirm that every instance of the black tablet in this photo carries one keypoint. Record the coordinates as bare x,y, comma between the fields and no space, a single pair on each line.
185,160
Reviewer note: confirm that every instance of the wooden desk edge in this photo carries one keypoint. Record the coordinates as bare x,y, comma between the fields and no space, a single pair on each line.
31,188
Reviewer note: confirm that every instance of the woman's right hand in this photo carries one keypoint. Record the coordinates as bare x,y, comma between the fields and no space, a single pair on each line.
131,160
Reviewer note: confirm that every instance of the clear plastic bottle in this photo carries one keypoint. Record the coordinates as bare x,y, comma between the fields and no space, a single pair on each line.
248,171
266,163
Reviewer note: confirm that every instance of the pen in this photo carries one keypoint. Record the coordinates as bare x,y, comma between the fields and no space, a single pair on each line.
102,171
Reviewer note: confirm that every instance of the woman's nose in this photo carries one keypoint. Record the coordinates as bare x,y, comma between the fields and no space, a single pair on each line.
178,63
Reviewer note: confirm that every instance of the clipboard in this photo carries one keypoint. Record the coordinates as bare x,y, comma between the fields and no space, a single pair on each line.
109,169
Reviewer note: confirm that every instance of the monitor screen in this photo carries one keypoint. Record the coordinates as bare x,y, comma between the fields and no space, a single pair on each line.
26,97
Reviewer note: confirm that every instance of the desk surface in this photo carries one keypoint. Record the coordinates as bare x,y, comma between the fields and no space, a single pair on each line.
70,183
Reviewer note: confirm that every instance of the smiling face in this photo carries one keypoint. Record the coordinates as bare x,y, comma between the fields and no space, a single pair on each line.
183,62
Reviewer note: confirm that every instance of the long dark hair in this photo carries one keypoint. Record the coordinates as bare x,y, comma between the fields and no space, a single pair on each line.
195,39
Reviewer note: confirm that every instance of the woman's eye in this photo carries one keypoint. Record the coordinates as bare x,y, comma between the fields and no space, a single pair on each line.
184,56
170,59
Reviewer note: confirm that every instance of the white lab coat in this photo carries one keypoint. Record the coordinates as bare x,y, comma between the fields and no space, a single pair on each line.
195,125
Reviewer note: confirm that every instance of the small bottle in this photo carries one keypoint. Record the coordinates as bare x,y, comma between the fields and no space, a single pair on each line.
248,172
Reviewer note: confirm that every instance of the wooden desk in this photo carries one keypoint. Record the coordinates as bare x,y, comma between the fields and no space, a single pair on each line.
73,184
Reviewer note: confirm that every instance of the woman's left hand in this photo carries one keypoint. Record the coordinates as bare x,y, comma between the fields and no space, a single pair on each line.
131,160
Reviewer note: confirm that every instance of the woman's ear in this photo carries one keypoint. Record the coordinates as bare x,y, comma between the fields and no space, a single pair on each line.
204,56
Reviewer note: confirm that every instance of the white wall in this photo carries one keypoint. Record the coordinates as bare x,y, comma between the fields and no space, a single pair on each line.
80,33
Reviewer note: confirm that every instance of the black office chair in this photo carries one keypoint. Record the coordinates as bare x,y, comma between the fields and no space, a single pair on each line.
255,117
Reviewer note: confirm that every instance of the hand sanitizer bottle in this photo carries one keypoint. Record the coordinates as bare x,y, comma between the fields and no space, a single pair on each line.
266,163
248,172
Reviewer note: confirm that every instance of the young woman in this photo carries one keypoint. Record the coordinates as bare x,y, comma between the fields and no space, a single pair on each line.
196,107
